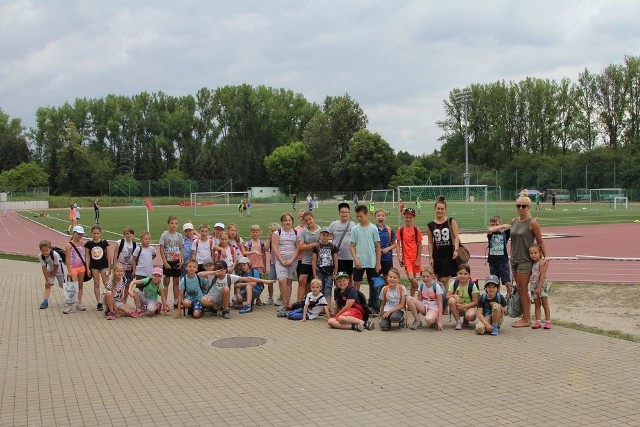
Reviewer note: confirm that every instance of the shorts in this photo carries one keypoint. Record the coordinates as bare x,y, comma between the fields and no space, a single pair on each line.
358,274
257,290
445,267
305,269
409,266
77,271
196,303
144,302
522,267
56,279
216,297
386,266
283,272
174,271
346,266
298,266
128,275
259,269
100,270
396,317
117,303
495,307
544,293
352,312
501,269
272,272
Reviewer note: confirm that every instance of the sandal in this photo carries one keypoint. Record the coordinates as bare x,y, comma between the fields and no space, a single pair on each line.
167,309
520,325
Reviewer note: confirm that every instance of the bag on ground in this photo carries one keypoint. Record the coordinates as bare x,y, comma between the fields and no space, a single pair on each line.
70,290
514,308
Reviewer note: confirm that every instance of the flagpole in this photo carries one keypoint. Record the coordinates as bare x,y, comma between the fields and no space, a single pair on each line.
148,229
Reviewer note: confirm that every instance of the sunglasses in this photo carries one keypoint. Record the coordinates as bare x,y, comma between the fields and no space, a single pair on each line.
522,206
410,211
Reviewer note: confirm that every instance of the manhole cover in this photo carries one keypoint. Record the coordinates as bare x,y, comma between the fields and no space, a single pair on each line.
238,342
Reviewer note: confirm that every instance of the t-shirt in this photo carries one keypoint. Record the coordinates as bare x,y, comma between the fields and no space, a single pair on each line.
226,255
349,293
463,291
219,284
442,239
256,259
151,291
117,288
125,255
202,250
97,254
315,304
407,236
338,229
187,250
484,303
192,286
393,296
76,256
171,243
307,236
386,241
52,260
428,297
144,260
325,256
365,238
287,243
498,246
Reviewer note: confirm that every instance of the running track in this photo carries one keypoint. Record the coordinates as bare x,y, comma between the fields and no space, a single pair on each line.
20,235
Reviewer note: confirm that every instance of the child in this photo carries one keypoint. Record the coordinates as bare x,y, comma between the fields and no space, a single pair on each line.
285,251
498,258
393,298
190,293
145,293
314,304
76,265
112,296
387,241
429,302
274,227
410,248
143,256
97,252
219,292
123,254
539,288
227,253
325,262
254,250
365,251
350,314
52,270
170,244
248,286
235,240
218,228
307,240
462,296
202,248
492,306
189,237
72,219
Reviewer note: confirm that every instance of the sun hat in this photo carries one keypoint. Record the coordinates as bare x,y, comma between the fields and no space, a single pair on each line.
78,229
157,270
187,226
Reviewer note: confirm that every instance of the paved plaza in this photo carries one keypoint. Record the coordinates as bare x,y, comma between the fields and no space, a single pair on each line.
81,369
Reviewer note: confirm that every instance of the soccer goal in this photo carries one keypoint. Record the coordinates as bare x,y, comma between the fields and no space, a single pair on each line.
562,195
469,205
620,201
385,199
203,203
583,195
605,194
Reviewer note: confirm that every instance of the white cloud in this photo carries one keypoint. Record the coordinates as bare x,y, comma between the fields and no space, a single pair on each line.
399,60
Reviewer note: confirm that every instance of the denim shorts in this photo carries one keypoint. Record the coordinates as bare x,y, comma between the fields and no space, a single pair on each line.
501,269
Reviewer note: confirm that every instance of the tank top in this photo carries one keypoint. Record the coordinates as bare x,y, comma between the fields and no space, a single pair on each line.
442,239
521,239
75,259
287,243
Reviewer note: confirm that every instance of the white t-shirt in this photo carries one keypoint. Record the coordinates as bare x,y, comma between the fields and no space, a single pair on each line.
144,261
428,298
393,297
50,262
320,302
219,284
203,253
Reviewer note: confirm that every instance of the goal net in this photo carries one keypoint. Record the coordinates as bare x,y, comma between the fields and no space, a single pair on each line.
385,199
582,195
620,201
203,203
562,195
605,194
470,205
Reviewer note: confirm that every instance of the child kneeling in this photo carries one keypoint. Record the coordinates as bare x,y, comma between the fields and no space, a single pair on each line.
492,307
393,299
190,291
111,298
145,293
429,301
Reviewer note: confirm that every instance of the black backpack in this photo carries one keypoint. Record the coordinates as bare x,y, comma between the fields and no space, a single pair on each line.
362,301
60,252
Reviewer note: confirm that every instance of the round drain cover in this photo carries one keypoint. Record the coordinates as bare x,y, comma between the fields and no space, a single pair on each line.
238,342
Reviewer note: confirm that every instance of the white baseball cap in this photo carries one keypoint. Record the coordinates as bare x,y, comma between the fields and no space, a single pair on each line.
219,225
187,226
78,229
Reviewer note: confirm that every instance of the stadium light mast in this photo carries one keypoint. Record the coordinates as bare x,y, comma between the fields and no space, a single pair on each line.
465,97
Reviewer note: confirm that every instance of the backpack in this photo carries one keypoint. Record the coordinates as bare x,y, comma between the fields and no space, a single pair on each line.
469,289
443,296
121,247
499,297
249,245
401,233
211,286
59,251
280,231
362,301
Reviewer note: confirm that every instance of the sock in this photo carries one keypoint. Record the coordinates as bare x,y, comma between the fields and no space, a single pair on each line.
353,326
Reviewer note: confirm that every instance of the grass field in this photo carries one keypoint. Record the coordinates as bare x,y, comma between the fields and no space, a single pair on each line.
469,216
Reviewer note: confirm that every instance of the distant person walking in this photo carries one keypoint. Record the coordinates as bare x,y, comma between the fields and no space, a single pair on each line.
96,211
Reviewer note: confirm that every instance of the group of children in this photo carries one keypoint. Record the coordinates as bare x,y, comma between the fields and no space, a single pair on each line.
215,271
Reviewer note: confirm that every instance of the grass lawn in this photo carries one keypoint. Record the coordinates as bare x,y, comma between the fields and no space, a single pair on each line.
468,215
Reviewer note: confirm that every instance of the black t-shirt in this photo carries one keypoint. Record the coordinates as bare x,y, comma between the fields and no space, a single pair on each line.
349,293
498,246
97,254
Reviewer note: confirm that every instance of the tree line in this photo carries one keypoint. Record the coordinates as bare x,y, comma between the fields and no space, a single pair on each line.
535,131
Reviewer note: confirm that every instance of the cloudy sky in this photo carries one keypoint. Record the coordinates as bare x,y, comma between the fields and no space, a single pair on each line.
398,59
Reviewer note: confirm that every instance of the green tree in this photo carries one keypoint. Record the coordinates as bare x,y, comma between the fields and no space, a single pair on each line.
414,174
285,163
23,176
369,163
13,143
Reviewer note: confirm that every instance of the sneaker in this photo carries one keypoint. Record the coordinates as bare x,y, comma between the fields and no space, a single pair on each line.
359,327
458,325
175,305
143,308
495,330
465,322
111,316
282,312
44,304
68,309
99,306
214,312
374,312
278,301
402,324
417,324
136,313
370,326
245,310
226,315
259,302
536,325
80,307
269,301
547,324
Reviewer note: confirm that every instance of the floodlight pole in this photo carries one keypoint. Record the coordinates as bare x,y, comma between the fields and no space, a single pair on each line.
459,98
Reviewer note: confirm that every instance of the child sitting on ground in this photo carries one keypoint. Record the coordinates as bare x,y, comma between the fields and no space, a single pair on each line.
462,296
219,290
429,302
145,293
52,269
111,298
314,304
350,313
539,288
248,286
492,306
191,291
393,299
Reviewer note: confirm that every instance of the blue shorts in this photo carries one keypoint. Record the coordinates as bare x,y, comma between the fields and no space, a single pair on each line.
196,304
257,290
501,269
